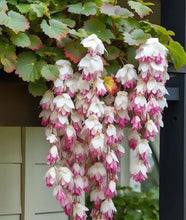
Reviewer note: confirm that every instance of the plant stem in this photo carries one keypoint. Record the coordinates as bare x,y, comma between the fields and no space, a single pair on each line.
113,21
127,62
114,26
121,61
79,20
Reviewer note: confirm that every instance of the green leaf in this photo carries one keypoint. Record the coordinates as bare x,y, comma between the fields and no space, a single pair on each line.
20,40
28,67
14,21
60,17
35,41
74,51
131,53
38,1
40,9
32,15
113,67
58,5
52,52
12,2
112,53
23,8
8,57
127,24
38,87
3,5
178,54
97,27
75,8
140,9
111,1
136,37
71,23
80,33
115,11
55,29
50,72
89,8
162,33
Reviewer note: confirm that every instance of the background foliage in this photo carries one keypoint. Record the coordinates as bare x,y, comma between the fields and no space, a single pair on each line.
133,205
34,34
137,205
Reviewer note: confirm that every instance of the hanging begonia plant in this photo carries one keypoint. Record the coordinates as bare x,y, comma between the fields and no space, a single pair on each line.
101,68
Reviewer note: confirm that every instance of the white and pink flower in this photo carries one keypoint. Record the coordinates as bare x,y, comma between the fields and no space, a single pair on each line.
133,138
99,87
71,87
139,103
79,211
58,121
121,100
127,76
94,45
78,185
110,190
67,205
50,177
118,149
112,162
108,208
96,108
96,196
86,186
96,145
110,136
63,104
78,169
150,50
47,100
119,134
152,106
53,155
138,171
83,86
92,126
59,86
65,69
122,118
80,151
150,129
77,120
136,123
81,105
92,66
51,135
65,176
45,115
60,194
97,173
109,115
69,136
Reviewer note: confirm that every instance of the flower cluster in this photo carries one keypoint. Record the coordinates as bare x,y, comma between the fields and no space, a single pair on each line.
147,103
85,128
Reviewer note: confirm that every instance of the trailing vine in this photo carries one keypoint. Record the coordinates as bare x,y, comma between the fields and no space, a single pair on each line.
34,34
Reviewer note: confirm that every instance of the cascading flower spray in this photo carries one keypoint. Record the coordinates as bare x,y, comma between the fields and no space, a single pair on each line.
147,103
85,130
